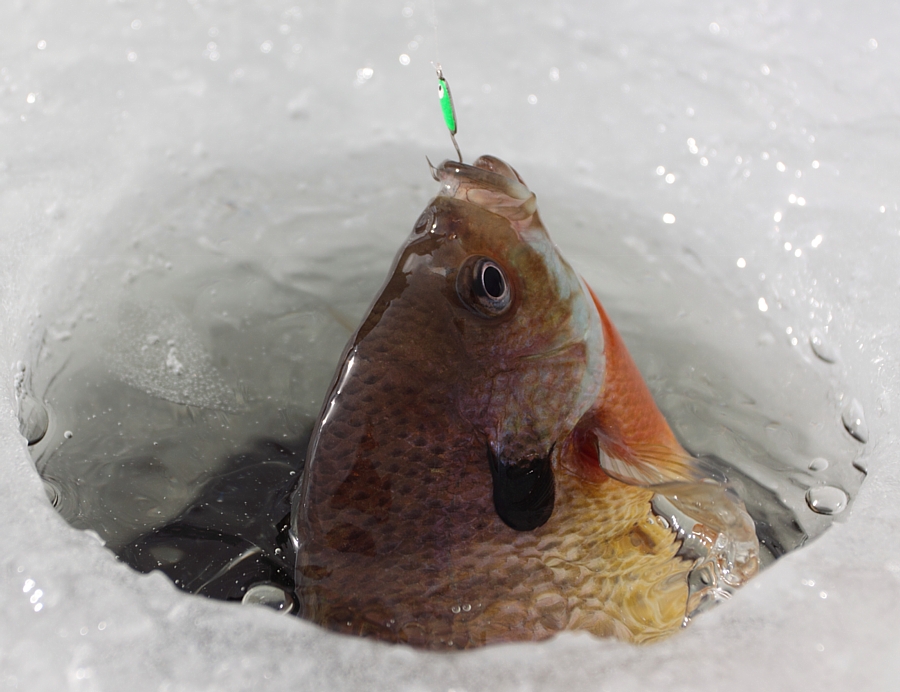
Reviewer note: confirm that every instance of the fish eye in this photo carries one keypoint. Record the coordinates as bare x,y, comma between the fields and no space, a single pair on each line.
492,281
482,285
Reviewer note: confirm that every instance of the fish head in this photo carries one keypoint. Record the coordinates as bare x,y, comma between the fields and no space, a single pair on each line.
519,341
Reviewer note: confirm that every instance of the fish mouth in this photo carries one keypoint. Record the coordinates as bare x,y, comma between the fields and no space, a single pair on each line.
490,184
524,491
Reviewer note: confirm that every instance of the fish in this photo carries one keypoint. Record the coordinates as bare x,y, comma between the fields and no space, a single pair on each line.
489,465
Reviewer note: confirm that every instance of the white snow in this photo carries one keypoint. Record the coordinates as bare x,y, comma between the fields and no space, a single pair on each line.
109,110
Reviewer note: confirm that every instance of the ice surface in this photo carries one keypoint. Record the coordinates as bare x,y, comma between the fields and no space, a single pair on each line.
777,122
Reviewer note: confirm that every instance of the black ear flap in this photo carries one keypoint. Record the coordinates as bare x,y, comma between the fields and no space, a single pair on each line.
524,491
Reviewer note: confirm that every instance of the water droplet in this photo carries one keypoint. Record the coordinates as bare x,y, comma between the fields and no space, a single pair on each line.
271,596
455,609
821,347
854,420
467,607
404,59
33,418
668,218
670,178
826,500
68,434
532,99
818,464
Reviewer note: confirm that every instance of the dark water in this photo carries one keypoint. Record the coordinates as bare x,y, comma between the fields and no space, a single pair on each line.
170,398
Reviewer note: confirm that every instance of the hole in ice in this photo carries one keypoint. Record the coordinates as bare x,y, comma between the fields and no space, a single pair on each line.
180,372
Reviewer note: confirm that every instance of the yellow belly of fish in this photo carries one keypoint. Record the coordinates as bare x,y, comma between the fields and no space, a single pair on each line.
604,563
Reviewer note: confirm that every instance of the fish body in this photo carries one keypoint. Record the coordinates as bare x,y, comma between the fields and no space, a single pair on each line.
485,464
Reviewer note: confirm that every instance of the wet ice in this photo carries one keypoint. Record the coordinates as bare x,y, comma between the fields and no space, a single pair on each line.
104,133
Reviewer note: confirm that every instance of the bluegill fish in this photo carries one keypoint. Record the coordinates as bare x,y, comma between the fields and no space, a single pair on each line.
489,465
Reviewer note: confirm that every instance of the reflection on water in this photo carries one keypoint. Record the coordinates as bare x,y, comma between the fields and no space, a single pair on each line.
171,415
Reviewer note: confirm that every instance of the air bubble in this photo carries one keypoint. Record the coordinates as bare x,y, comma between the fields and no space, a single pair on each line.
854,421
821,347
826,500
269,595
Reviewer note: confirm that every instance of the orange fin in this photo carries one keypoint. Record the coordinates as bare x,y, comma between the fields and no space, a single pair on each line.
624,434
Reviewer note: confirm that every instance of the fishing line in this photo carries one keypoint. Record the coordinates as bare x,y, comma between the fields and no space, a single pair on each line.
446,99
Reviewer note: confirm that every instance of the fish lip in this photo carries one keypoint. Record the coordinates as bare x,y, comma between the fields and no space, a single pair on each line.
524,492
487,189
453,174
